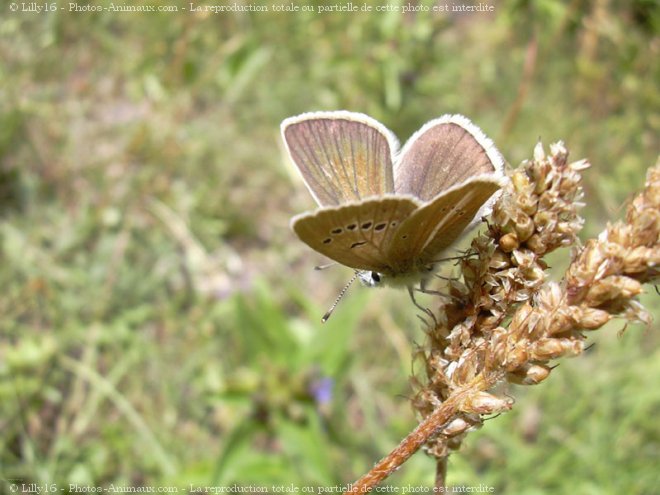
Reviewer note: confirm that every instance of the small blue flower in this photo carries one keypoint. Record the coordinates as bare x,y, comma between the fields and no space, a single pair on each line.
321,390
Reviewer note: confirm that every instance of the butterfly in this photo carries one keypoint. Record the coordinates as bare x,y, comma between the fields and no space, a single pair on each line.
389,214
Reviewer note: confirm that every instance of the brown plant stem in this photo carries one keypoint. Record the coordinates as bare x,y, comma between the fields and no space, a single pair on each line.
419,436
441,474
529,65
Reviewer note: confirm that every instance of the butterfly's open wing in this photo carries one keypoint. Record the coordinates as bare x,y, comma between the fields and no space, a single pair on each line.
342,156
356,235
439,223
445,152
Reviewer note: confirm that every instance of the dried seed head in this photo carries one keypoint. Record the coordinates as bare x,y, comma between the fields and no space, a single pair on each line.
473,347
485,403
553,348
529,374
455,427
524,226
499,261
517,356
611,289
537,244
509,242
590,318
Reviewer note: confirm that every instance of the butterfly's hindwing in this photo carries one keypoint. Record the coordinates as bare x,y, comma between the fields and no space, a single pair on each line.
445,152
439,223
357,235
342,156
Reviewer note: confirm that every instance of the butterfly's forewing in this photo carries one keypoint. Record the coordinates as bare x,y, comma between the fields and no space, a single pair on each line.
342,156
444,152
439,223
356,235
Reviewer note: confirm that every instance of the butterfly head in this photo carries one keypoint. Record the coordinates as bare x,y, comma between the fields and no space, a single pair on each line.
369,278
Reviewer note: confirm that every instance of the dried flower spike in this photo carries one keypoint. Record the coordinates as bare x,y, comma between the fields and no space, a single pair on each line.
471,348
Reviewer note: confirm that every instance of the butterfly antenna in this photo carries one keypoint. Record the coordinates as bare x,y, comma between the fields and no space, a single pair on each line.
323,267
328,313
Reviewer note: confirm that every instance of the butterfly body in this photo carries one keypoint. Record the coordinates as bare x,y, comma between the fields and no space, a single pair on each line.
390,215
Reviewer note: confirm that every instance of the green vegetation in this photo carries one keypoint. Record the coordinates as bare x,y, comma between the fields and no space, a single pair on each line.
159,322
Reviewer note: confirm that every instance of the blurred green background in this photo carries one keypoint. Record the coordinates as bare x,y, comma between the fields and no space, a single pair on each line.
159,320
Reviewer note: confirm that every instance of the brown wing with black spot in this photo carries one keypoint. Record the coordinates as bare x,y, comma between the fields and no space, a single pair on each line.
356,235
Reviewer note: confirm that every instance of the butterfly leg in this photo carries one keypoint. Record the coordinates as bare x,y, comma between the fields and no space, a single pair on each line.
424,290
435,293
419,306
